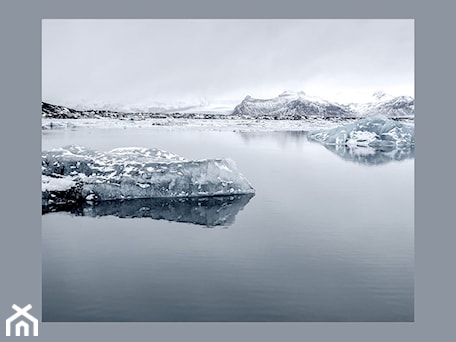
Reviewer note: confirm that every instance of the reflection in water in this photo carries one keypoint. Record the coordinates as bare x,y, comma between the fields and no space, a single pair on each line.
372,156
206,211
358,154
283,138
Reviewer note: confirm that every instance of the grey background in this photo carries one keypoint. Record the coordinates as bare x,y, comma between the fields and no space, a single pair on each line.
20,248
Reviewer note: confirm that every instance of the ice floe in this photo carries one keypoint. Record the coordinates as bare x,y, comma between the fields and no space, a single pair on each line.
377,131
76,174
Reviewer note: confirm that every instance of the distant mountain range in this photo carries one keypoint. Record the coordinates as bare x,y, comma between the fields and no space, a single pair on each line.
61,112
296,105
288,105
382,103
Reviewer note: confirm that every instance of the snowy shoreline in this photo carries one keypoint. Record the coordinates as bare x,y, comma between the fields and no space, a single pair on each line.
204,124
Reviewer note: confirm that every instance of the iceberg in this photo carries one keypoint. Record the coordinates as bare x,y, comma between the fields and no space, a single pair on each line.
376,132
76,174
205,211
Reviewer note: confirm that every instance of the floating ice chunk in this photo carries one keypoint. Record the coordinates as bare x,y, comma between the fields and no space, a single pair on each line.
375,131
130,173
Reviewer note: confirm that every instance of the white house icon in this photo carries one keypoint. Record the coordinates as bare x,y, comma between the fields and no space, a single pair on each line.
22,328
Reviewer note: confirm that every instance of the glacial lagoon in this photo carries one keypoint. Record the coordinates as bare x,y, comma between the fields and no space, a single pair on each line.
327,236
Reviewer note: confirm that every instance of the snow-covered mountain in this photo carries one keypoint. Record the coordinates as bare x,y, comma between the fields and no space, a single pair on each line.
61,112
291,105
300,105
288,105
201,105
384,104
53,111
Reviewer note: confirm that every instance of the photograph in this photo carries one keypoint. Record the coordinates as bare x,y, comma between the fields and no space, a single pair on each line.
227,170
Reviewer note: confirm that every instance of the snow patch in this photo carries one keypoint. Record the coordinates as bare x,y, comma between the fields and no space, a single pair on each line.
57,183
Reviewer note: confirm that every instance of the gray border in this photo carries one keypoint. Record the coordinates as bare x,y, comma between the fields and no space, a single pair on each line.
20,247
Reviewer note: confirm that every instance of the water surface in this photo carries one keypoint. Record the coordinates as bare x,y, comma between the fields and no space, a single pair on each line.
327,237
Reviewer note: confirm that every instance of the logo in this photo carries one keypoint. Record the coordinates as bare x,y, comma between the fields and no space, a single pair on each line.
21,322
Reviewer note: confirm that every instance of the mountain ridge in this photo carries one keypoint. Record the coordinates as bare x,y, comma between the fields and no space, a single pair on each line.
287,105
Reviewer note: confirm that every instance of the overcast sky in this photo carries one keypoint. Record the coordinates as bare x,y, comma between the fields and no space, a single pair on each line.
142,62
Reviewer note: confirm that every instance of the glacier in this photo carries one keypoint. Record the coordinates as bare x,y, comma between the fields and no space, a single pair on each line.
75,174
375,132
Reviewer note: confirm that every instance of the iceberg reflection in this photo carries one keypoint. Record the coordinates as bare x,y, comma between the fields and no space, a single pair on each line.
372,156
206,211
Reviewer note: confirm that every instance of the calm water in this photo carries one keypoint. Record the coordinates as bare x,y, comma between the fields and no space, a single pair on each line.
325,238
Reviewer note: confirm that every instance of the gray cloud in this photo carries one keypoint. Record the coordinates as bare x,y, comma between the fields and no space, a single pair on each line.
148,61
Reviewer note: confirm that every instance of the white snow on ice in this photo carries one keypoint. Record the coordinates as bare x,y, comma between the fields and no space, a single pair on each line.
128,173
375,131
56,183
